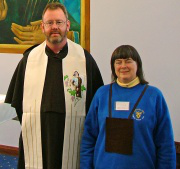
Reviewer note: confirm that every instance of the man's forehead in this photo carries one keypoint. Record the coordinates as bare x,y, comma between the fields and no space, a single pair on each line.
54,13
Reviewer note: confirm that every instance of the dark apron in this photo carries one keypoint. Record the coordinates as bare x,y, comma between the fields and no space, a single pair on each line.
119,132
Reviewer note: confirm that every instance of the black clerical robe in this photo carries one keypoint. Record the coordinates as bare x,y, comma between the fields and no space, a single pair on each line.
53,111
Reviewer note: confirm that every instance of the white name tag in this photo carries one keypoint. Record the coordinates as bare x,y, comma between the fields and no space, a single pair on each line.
122,105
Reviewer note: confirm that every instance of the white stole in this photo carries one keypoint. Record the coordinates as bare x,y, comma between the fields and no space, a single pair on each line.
35,75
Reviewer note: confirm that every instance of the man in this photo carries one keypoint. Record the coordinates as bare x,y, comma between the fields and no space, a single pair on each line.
45,100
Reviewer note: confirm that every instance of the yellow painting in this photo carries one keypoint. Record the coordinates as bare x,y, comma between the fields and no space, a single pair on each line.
20,23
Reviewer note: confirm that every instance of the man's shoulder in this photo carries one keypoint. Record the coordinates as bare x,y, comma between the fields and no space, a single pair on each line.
27,51
25,55
87,54
89,58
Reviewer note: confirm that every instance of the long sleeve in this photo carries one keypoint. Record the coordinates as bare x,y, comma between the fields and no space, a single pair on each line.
14,94
164,139
11,88
94,78
91,131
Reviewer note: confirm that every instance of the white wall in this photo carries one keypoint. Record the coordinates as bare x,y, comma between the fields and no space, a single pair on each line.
8,63
153,28
9,130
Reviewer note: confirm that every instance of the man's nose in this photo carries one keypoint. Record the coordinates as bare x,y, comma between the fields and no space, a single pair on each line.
54,25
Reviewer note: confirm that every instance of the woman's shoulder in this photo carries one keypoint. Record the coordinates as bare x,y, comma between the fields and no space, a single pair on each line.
103,90
154,90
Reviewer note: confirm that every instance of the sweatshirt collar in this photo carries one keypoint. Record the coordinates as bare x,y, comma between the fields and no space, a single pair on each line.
130,84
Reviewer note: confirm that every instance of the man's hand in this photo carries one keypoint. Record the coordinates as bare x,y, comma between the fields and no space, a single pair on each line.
3,9
28,35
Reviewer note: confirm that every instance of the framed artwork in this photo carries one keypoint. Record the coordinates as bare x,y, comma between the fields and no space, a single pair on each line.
20,23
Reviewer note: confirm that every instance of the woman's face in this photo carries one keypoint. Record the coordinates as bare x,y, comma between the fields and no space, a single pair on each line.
125,69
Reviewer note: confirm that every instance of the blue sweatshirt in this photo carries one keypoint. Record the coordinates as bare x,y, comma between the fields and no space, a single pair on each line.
153,142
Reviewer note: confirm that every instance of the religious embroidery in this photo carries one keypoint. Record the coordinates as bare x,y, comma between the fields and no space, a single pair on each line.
75,86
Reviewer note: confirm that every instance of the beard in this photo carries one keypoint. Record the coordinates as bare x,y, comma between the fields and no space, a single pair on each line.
56,39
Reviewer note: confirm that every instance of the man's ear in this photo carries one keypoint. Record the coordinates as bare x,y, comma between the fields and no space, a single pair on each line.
42,27
68,25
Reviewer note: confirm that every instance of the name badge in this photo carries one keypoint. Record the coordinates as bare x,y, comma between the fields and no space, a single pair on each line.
122,106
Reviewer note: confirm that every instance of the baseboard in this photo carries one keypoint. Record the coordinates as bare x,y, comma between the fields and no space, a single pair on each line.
8,150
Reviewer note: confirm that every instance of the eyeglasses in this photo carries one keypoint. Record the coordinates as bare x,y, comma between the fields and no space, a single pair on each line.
59,24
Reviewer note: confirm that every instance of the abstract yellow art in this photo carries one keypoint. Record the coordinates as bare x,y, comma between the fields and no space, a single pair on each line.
20,23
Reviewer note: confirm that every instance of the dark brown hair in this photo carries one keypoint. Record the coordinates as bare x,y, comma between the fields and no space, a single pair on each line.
125,52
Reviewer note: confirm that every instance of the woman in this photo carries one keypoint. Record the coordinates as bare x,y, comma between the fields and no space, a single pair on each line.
128,124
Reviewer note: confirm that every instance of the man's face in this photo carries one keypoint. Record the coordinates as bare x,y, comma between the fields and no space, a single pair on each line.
76,74
55,26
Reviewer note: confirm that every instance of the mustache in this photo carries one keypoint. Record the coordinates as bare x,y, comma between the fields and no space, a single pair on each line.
54,32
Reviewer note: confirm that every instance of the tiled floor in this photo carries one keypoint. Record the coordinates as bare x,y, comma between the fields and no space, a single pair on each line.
8,162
